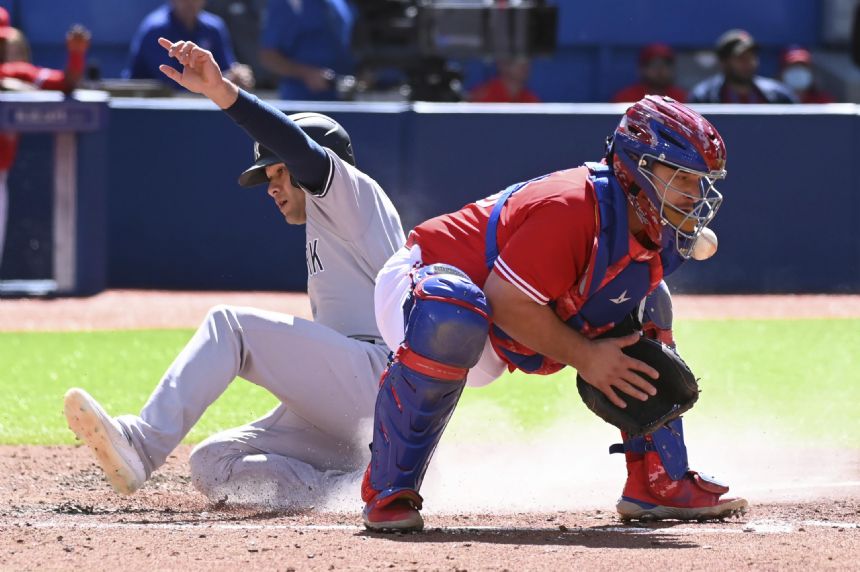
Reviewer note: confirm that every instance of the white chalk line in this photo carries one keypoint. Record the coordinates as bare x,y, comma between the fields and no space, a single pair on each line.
754,527
803,486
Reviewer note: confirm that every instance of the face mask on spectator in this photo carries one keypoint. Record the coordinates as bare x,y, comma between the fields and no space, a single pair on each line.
798,78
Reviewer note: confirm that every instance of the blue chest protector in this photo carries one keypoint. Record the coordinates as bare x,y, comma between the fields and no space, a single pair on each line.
603,304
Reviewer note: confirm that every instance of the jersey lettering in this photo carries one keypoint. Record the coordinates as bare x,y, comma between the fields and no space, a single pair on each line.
315,265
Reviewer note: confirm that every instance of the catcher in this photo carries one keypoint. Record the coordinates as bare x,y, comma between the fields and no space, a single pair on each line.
565,269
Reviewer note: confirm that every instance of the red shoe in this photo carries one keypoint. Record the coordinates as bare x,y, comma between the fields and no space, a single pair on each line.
651,495
395,513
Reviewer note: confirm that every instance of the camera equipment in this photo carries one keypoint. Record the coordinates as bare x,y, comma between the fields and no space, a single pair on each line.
419,38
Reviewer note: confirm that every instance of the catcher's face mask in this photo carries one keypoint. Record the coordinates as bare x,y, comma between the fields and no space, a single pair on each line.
689,201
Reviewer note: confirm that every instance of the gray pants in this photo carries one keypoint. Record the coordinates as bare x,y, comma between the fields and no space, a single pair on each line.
327,385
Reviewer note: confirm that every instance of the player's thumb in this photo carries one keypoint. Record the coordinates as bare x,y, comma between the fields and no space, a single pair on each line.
628,340
170,72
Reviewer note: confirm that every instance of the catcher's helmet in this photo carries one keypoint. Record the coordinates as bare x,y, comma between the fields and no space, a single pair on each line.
659,129
321,128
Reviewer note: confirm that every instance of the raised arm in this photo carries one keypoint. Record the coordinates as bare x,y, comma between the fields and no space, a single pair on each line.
306,160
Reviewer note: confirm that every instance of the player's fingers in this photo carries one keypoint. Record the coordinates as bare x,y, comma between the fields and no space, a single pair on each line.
165,43
185,51
171,49
639,382
613,397
636,365
173,52
190,59
197,57
170,72
627,385
628,340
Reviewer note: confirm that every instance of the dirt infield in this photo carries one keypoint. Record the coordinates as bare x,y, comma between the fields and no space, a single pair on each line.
58,513
133,309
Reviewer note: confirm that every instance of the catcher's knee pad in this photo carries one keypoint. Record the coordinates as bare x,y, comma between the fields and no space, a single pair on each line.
655,315
446,317
667,442
447,323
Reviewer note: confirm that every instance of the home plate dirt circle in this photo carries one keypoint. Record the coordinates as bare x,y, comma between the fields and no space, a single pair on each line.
58,512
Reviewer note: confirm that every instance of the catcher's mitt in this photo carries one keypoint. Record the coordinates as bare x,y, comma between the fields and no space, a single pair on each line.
677,391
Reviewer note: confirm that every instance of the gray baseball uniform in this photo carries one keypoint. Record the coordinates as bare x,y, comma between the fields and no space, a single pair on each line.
325,372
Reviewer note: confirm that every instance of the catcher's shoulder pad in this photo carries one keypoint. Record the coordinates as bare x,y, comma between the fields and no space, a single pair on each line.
677,391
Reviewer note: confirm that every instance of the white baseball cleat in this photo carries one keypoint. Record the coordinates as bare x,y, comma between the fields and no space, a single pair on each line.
101,433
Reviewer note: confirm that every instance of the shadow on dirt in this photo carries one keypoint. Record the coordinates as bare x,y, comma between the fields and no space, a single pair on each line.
593,537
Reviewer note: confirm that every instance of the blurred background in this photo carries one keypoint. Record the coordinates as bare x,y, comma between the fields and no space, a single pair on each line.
114,178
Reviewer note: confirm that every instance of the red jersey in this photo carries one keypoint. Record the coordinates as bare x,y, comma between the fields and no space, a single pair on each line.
637,91
816,95
43,78
8,150
494,91
545,235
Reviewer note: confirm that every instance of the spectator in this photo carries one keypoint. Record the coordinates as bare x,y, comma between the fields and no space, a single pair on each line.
798,75
656,76
244,20
183,20
738,82
509,86
17,73
306,44
14,47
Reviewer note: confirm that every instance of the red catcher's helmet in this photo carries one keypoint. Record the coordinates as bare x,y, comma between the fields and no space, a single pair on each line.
659,129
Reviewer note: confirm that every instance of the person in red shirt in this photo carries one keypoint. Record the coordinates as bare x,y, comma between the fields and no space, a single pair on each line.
509,86
549,273
797,73
656,76
18,74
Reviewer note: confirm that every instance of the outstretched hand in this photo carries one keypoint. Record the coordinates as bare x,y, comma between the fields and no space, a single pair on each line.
200,72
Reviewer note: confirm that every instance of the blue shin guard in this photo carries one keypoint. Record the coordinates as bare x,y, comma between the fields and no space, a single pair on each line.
447,322
412,411
667,442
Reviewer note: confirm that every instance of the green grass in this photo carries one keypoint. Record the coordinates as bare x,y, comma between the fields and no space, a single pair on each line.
803,375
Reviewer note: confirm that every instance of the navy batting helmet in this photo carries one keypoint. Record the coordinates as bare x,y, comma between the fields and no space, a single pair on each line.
323,129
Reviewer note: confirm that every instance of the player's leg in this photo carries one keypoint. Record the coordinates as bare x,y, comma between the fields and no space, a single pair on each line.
446,323
288,356
660,484
393,290
280,460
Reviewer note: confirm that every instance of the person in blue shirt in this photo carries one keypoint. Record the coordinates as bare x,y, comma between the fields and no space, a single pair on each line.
738,80
306,44
184,19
